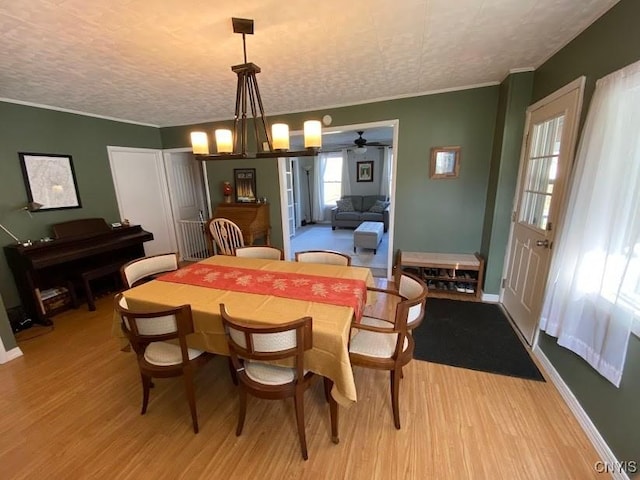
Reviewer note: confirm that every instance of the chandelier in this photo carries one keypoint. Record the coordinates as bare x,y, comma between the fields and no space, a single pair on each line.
232,145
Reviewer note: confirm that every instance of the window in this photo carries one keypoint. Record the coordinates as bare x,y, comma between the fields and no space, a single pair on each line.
332,180
541,173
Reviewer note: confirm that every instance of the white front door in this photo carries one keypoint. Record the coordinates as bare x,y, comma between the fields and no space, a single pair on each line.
141,191
544,169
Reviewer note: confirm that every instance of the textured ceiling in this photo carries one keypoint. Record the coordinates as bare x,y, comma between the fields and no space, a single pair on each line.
168,62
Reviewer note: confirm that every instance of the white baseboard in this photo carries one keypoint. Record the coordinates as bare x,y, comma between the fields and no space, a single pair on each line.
585,422
10,355
490,297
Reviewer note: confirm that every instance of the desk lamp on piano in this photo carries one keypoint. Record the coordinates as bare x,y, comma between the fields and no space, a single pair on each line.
78,248
29,207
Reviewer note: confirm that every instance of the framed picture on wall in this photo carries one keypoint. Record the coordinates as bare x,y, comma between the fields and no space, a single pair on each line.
50,180
364,171
244,184
445,162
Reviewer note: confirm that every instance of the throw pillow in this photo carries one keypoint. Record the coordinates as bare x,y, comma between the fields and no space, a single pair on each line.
345,205
378,207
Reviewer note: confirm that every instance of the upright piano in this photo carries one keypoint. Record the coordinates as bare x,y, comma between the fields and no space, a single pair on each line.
78,246
252,218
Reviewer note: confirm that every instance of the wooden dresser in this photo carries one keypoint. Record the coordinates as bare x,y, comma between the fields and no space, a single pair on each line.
252,218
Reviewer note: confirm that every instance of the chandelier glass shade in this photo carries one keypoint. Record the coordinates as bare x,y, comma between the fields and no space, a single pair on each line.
269,143
360,150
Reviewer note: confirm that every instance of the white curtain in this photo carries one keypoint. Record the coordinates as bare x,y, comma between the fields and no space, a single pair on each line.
318,187
345,183
594,284
385,179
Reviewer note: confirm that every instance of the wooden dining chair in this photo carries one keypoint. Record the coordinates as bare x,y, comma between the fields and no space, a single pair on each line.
386,343
251,345
141,269
323,256
226,234
412,287
260,251
158,339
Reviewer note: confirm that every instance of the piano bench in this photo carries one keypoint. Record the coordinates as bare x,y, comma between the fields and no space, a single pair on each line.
93,274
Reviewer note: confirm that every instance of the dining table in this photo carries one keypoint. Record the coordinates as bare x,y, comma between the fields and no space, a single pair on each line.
268,292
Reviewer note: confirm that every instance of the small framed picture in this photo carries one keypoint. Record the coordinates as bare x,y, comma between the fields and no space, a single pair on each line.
445,162
244,184
365,171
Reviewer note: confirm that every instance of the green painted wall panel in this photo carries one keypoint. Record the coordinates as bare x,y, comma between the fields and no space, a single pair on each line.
30,129
6,334
504,175
431,215
608,45
494,167
614,411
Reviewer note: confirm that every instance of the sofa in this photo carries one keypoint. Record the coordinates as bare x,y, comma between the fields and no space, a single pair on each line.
352,210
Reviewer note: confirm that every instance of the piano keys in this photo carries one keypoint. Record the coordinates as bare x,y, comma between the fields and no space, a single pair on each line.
78,246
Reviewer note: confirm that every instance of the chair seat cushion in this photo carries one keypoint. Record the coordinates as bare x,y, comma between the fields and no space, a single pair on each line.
163,353
269,374
374,344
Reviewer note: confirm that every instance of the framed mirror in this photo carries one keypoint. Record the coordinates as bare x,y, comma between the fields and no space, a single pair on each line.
445,162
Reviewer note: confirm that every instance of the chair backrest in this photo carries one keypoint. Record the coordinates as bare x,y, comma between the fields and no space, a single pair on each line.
323,256
145,327
226,234
141,268
262,342
404,309
268,252
412,288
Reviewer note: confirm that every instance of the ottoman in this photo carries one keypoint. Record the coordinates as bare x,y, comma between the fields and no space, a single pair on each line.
368,235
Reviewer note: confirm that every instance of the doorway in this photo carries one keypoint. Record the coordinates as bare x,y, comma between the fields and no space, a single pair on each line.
339,139
163,191
545,166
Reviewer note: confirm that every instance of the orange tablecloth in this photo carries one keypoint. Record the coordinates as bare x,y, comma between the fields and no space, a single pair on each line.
329,356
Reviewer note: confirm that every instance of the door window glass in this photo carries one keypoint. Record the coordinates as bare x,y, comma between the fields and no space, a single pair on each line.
541,170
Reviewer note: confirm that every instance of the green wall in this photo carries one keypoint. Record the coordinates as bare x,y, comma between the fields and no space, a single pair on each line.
6,334
608,45
431,215
515,97
30,129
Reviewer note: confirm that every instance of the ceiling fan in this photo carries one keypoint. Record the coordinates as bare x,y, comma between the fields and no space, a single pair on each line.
361,143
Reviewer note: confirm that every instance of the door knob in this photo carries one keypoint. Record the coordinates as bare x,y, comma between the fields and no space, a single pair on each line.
542,243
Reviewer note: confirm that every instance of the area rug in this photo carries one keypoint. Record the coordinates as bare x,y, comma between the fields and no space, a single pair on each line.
319,237
472,335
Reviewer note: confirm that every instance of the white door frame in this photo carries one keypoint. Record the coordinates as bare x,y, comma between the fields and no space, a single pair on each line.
395,124
578,83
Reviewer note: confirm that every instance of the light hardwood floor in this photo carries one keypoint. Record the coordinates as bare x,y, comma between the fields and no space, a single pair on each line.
70,409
